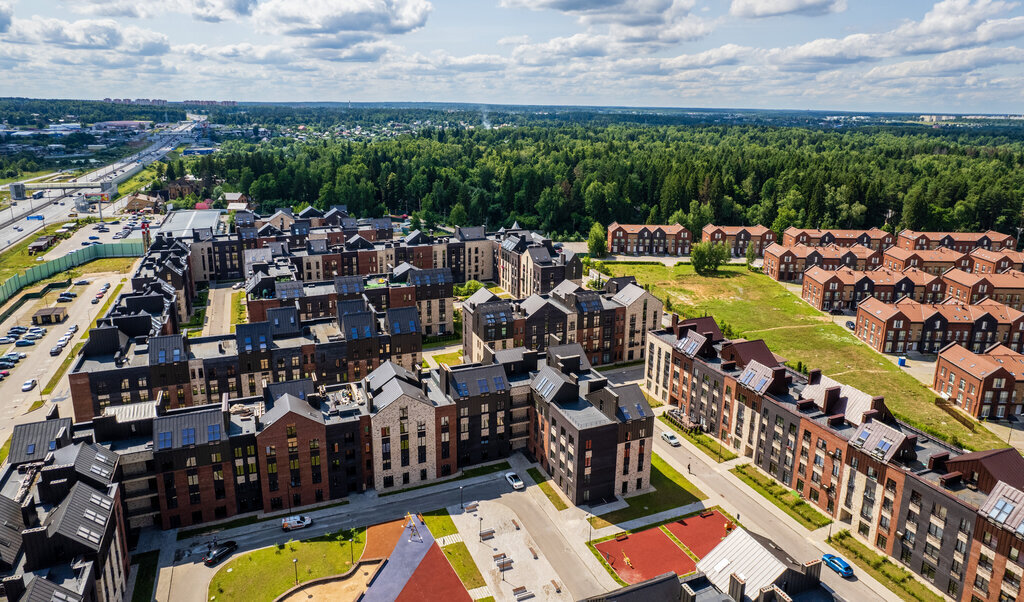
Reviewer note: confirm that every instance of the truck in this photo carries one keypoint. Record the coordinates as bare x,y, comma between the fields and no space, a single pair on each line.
35,217
38,194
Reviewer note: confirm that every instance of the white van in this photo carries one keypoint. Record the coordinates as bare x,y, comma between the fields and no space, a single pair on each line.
295,522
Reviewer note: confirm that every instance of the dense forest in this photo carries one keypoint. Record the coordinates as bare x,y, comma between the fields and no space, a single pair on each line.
38,113
562,178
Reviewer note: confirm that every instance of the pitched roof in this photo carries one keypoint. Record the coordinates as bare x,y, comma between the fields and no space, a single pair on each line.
32,441
82,516
1004,464
290,404
743,555
90,460
852,401
183,429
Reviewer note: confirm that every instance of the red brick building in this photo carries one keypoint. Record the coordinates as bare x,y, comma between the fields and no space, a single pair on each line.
989,384
784,263
986,261
737,238
908,325
965,242
875,238
967,287
934,261
646,239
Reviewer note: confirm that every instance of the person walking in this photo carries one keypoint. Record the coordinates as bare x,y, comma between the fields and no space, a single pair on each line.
688,471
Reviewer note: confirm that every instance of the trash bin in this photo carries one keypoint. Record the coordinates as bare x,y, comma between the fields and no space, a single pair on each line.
902,362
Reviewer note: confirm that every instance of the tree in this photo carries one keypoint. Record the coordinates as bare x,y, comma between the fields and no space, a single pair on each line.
751,254
415,223
171,173
597,242
458,216
707,256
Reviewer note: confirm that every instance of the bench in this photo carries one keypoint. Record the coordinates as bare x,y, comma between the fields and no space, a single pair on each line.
622,537
558,588
525,595
534,552
519,590
487,534
706,514
504,563
515,524
471,507
497,557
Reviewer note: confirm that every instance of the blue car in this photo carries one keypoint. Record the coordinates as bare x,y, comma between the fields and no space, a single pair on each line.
838,565
24,343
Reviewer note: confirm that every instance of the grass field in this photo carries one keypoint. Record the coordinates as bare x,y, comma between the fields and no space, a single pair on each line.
16,258
24,176
452,359
137,182
671,490
5,450
783,497
264,574
146,565
757,307
549,491
64,365
462,561
440,523
239,309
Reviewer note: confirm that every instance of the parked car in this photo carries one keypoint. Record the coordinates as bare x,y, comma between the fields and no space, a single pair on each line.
73,328
7,340
237,285
7,365
32,336
86,243
28,385
514,480
63,299
95,300
838,565
295,522
12,357
671,439
835,311
71,294
850,325
24,343
5,373
219,553
55,351
94,238
18,329
82,282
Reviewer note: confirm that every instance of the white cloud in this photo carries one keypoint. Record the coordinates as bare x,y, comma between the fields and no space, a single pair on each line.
775,8
331,17
87,34
954,63
204,10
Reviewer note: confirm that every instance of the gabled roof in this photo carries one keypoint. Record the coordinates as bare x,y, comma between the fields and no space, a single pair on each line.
387,371
82,516
482,295
1005,507
290,404
13,523
469,233
310,212
1004,464
402,320
471,381
90,460
742,554
356,242
31,442
878,440
167,349
852,401
629,294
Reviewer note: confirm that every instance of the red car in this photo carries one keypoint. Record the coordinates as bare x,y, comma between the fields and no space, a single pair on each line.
5,373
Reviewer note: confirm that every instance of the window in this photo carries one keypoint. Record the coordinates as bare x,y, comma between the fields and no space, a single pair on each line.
163,440
188,436
213,433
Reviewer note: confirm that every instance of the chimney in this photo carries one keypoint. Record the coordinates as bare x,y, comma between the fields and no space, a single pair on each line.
445,373
675,321
812,570
814,377
830,400
869,416
737,587
878,404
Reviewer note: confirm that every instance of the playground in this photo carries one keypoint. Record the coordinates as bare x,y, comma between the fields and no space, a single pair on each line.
700,533
645,555
639,556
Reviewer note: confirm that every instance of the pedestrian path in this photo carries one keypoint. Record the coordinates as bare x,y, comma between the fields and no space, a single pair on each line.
480,592
449,539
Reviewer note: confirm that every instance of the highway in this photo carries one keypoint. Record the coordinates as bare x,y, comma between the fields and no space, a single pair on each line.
14,225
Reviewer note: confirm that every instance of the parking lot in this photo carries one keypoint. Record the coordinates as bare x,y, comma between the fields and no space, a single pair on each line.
38,364
90,234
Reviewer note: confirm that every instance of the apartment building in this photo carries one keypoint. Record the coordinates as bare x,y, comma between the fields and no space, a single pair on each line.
737,238
896,489
1004,287
985,385
609,327
934,261
787,264
646,239
845,289
874,238
987,261
529,264
964,242
909,325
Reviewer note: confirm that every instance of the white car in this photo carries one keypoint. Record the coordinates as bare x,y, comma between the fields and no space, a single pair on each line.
671,439
514,480
295,522
29,385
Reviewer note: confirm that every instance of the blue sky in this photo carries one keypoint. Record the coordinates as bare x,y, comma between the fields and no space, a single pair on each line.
897,55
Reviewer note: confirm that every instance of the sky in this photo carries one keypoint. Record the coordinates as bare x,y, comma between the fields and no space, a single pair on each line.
962,56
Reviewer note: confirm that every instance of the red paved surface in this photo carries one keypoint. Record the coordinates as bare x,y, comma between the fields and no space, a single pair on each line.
650,552
381,539
434,579
701,535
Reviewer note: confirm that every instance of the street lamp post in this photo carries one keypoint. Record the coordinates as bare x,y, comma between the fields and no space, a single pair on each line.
590,528
461,504
481,531
295,563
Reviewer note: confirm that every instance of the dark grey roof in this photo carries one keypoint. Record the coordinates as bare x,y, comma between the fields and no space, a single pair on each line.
632,403
284,321
470,233
420,277
403,320
349,284
349,223
32,441
471,381
167,349
351,306
394,389
381,223
289,403
539,255
317,245
416,238
184,429
358,242
301,388
289,290
756,376
358,325
387,371
482,295
82,516
254,336
12,523
549,382
90,460
663,588
310,211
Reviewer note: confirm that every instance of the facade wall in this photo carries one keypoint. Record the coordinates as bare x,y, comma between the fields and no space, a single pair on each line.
390,470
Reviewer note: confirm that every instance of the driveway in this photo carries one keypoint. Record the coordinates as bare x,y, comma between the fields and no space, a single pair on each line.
218,314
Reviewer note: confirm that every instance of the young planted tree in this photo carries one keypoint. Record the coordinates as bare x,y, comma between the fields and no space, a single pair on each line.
597,241
707,256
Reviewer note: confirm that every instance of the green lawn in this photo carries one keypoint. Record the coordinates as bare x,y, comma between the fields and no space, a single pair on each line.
267,573
897,579
703,442
137,182
757,307
787,500
147,565
5,450
24,176
545,485
16,258
462,561
671,490
239,309
440,523
452,359
64,365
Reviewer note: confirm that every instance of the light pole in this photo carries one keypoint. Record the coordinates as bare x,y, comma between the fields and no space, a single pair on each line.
590,529
481,531
351,550
461,504
295,563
